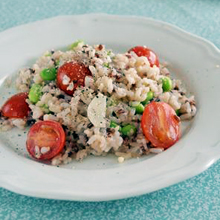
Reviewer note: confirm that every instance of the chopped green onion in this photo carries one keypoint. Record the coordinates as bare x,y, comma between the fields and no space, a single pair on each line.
48,54
45,108
134,104
114,125
106,65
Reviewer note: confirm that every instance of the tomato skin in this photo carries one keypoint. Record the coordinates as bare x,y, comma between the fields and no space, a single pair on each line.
76,72
160,124
45,134
16,106
146,52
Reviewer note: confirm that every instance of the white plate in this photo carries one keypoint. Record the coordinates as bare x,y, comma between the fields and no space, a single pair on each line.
192,59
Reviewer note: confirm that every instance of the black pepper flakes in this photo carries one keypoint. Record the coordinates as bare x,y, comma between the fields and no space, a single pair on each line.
61,96
70,154
54,61
90,125
32,70
75,136
30,122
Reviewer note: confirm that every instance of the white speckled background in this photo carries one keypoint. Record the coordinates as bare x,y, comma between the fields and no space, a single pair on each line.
197,198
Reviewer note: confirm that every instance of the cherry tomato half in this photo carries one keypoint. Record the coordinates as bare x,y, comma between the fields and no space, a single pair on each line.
146,52
160,124
16,106
72,72
45,140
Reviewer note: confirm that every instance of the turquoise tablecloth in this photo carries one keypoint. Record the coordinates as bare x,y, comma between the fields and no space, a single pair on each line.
197,198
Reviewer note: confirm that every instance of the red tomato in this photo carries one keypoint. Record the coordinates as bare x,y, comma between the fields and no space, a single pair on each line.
146,52
76,72
16,106
45,140
160,124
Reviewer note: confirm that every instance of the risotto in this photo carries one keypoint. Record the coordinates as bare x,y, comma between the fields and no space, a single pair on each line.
90,101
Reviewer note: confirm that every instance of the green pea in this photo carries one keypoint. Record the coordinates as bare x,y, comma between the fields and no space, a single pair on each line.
76,43
114,125
150,96
178,112
128,130
35,93
167,84
48,74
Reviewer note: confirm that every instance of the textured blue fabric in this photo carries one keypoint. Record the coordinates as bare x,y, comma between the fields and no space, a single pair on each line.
197,198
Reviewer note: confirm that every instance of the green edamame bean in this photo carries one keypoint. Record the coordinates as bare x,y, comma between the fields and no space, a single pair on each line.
128,130
35,93
139,109
48,74
167,84
76,43
150,96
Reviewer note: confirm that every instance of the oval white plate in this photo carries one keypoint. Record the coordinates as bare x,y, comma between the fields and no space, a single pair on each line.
192,59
